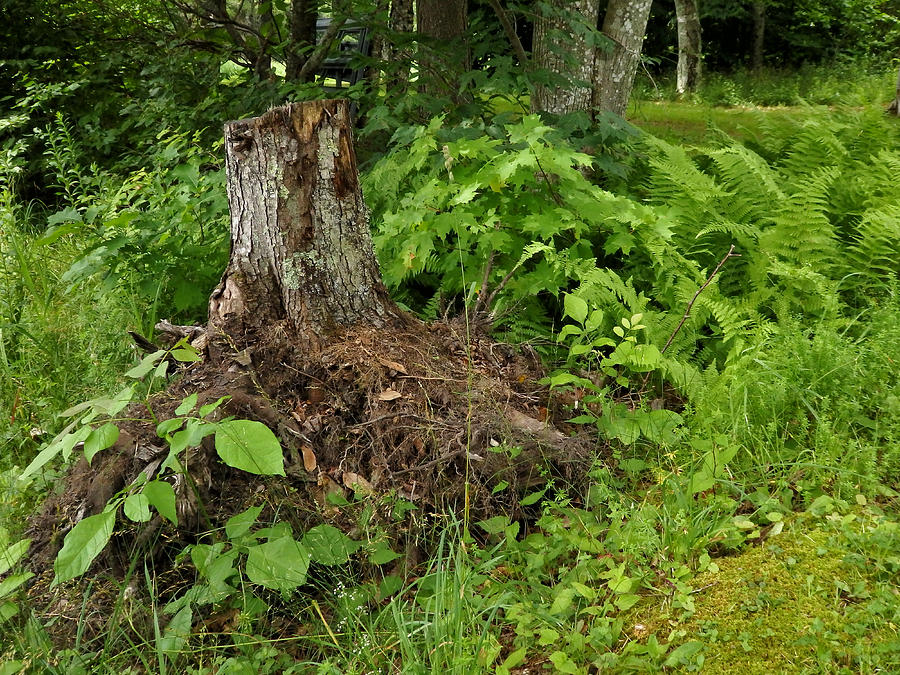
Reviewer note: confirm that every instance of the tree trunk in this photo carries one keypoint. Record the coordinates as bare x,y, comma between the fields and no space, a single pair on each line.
689,46
563,50
302,30
894,107
396,53
444,55
301,252
614,70
758,9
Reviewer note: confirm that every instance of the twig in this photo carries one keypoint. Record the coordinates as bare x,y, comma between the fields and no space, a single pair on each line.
687,312
510,31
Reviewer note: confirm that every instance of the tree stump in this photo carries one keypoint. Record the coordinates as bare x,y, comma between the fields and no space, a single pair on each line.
301,251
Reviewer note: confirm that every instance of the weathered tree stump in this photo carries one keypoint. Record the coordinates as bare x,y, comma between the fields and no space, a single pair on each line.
301,251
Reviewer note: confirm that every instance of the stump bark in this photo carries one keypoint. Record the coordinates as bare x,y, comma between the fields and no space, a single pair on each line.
301,250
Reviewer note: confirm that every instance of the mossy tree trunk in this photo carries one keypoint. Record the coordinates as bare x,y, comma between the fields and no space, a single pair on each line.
614,69
563,47
301,253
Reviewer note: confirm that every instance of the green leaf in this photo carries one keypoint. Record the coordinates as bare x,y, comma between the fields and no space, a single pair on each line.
147,364
575,307
161,496
137,508
382,555
249,446
100,439
627,601
527,500
563,663
177,632
7,611
209,407
63,443
584,591
186,355
494,525
563,600
280,564
188,404
682,655
83,544
328,545
13,554
239,524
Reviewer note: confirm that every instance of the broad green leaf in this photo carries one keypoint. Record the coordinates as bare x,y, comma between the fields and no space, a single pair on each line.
627,601
527,500
238,525
12,582
186,355
161,368
249,446
494,525
280,564
137,508
100,439
147,364
62,444
7,611
209,407
188,404
83,544
382,555
681,655
575,307
177,632
13,554
194,432
161,496
563,600
328,545
584,591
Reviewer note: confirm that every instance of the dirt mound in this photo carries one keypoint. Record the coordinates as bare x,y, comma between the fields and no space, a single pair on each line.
422,413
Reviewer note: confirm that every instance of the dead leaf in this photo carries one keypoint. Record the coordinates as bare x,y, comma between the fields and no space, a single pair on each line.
357,483
309,458
532,426
393,365
389,395
243,358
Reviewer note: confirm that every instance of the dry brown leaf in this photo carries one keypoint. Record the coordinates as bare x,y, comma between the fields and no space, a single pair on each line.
389,395
309,458
393,365
357,483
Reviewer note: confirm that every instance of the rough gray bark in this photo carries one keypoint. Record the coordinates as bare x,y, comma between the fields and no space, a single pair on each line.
689,46
562,48
614,70
301,252
758,10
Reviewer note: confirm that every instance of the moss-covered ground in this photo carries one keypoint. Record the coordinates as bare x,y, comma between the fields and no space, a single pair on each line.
821,597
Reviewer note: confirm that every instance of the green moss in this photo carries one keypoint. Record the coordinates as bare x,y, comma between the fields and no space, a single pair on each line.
796,603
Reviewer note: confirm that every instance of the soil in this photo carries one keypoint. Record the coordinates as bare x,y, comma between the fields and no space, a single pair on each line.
430,414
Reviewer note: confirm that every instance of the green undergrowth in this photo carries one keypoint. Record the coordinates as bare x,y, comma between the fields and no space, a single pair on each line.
822,596
742,514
